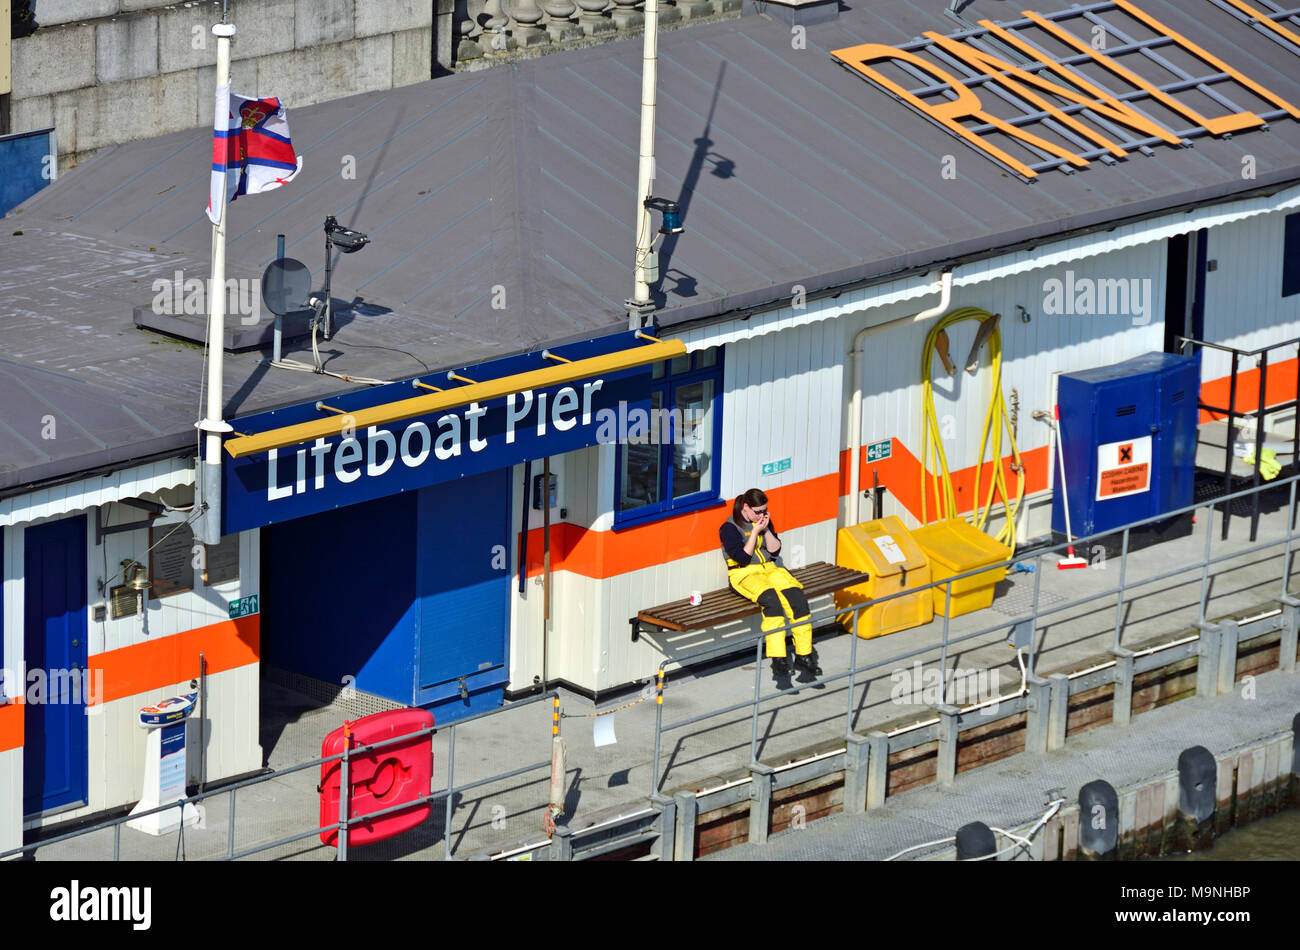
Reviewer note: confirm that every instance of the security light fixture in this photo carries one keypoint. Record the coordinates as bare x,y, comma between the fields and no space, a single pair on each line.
345,239
672,214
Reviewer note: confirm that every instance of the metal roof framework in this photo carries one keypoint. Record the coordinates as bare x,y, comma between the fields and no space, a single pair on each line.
1012,37
1268,20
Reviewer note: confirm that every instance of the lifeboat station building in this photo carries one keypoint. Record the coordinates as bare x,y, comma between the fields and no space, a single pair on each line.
488,467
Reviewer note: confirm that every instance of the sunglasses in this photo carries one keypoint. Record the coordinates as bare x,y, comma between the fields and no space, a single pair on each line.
759,511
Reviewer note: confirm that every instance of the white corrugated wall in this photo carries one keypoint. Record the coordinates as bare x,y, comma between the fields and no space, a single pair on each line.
785,393
1244,306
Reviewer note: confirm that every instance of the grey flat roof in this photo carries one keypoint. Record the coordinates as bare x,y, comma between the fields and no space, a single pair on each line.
514,185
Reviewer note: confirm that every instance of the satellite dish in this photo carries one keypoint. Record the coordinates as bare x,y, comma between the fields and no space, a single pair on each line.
286,283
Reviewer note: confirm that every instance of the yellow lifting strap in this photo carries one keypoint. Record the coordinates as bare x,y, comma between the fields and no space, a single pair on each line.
995,420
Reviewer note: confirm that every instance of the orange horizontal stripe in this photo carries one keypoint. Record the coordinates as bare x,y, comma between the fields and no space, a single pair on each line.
11,726
600,554
153,664
901,475
1280,387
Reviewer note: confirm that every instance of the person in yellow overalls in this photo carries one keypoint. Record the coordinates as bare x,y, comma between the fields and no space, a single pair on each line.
752,549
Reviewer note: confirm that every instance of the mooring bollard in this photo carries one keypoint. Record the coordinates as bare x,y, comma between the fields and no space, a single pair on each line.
1197,785
1098,822
1295,762
975,841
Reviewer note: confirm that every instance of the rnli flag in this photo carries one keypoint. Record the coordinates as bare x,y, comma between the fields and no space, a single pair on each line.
251,151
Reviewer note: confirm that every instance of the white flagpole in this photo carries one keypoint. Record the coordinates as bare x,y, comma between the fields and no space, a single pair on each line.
640,303
213,426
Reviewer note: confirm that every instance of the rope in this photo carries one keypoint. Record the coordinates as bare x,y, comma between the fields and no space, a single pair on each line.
995,420
1021,841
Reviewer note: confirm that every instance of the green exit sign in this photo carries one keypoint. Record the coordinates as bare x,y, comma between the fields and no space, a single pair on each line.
243,607
776,468
879,450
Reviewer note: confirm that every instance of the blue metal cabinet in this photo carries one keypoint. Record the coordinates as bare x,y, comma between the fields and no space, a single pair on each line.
1128,438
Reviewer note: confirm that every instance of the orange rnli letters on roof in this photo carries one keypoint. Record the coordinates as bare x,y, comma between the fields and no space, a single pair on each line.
1070,128
967,105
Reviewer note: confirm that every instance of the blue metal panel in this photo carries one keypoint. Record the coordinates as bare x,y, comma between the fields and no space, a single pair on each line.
462,586
28,162
1175,455
55,756
1149,397
339,597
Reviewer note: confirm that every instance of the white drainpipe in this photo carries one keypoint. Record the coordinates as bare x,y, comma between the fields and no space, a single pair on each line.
855,407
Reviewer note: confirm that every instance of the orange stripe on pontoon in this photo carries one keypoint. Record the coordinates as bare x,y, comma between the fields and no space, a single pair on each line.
11,726
156,663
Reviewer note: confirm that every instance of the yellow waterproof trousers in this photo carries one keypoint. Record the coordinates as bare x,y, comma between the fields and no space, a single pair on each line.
775,590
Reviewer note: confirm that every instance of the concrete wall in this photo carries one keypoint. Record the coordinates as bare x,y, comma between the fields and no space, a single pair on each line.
109,71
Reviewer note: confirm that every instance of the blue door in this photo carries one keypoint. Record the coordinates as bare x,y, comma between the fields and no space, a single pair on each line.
55,762
463,591
338,600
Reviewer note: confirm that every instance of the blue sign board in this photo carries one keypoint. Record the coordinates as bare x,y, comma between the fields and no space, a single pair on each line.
376,461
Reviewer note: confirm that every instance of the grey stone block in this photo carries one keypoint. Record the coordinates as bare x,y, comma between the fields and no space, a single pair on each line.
34,113
53,61
274,32
125,111
209,8
319,22
126,48
55,12
377,17
185,39
412,57
308,76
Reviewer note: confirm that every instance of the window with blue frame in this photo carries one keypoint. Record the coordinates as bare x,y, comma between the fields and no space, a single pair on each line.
671,462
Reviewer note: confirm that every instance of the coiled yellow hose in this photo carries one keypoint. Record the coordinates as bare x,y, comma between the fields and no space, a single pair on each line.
995,420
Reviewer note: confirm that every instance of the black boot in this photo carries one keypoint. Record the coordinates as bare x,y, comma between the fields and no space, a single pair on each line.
781,672
807,667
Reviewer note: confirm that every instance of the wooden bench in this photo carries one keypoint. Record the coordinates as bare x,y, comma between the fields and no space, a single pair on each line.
722,606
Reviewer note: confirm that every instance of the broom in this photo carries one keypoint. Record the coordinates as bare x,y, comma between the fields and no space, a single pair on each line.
1071,561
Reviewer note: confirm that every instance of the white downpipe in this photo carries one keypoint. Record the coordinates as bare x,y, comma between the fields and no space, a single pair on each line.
646,165
855,408
212,424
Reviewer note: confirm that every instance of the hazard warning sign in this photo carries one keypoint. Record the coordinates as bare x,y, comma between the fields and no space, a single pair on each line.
1123,468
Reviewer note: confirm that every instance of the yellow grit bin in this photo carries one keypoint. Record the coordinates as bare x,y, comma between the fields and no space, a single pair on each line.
885,550
955,547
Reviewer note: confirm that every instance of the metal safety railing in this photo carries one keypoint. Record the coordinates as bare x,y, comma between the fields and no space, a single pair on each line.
447,794
857,674
1262,409
946,641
